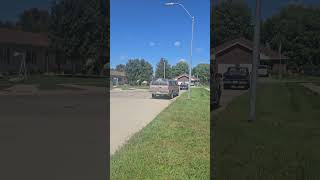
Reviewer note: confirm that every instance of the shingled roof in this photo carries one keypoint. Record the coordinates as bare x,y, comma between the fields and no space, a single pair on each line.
117,73
249,45
17,37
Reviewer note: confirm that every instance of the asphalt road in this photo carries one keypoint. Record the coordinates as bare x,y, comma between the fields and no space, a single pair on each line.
53,137
130,111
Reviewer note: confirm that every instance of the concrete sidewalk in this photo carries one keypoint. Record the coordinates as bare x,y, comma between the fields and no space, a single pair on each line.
312,87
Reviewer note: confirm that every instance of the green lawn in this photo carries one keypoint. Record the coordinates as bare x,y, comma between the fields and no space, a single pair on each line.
175,145
52,82
284,142
5,84
300,78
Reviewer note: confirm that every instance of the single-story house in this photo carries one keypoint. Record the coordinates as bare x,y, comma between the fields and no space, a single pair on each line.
239,51
184,78
34,46
118,78
38,55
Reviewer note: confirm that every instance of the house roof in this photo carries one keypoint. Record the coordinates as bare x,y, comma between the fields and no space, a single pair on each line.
117,73
265,53
186,75
11,36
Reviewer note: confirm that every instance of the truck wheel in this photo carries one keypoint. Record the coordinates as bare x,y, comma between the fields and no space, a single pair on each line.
171,95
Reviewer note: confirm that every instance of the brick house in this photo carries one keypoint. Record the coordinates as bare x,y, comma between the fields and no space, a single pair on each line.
35,46
118,78
39,57
184,78
239,51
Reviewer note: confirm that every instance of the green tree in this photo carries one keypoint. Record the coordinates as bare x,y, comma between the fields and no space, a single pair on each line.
297,27
78,30
121,67
180,68
160,69
202,71
138,71
34,20
229,20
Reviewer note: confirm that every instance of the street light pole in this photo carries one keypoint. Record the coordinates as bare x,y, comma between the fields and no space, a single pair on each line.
191,45
255,60
164,69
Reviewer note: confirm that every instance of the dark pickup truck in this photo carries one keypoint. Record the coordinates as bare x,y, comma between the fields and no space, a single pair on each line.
236,77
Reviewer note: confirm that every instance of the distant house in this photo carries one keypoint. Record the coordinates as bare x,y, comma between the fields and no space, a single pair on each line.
239,51
118,78
35,46
184,78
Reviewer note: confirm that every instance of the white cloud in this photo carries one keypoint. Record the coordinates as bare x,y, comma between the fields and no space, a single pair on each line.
123,57
177,44
182,60
198,50
151,44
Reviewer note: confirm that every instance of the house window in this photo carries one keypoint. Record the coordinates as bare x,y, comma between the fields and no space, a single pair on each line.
1,55
8,55
31,57
5,55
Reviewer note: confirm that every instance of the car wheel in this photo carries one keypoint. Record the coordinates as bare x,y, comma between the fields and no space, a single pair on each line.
225,87
171,95
153,96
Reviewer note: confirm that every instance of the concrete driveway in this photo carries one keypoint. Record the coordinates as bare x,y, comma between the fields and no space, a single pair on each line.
130,111
227,97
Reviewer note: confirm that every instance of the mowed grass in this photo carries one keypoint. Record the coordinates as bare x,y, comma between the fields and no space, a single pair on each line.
175,145
283,143
299,78
4,84
52,82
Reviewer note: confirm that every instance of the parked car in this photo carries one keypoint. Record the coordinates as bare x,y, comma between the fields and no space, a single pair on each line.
184,86
236,77
164,87
263,71
216,89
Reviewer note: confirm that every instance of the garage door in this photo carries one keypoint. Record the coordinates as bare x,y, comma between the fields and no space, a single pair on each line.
222,68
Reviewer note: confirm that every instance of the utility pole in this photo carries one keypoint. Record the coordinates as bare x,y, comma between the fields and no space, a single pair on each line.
255,60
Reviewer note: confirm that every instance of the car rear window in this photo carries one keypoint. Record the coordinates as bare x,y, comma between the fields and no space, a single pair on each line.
238,69
159,82
262,67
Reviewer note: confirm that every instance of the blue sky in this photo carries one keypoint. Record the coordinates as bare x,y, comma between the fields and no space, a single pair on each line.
10,9
150,30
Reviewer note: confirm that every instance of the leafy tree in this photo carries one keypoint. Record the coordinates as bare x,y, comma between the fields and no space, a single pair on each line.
34,20
180,68
229,20
78,30
138,71
160,69
202,71
297,27
7,24
121,67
